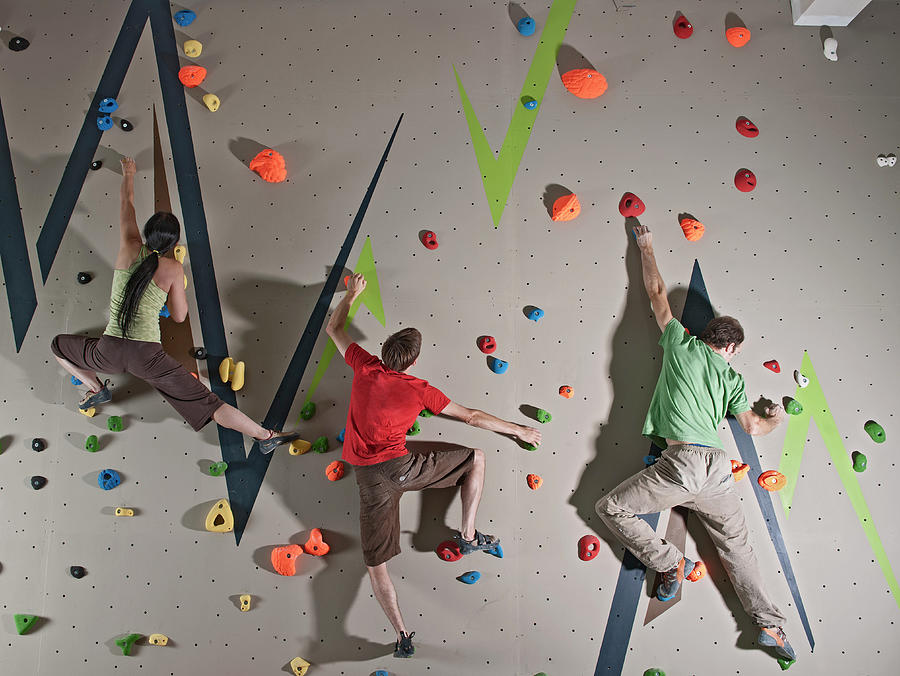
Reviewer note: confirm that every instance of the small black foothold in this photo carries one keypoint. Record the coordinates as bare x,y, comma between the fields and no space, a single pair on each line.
38,482
84,277
126,125
96,164
17,44
77,572
199,353
38,445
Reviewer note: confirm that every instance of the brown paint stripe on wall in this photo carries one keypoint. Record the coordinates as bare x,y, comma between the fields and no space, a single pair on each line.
676,533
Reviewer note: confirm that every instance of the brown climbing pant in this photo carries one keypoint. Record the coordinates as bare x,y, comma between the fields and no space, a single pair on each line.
699,478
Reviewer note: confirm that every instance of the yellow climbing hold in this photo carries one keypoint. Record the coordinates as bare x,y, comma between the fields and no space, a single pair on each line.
299,447
212,102
179,253
192,48
229,371
90,413
245,602
300,666
158,639
124,511
220,519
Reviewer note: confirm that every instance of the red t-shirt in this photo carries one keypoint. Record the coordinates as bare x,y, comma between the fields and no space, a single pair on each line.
383,406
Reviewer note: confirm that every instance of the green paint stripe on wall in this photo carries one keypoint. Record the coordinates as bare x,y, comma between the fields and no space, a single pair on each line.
499,173
815,407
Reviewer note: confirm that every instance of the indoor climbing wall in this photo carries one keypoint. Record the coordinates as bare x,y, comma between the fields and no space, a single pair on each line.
397,119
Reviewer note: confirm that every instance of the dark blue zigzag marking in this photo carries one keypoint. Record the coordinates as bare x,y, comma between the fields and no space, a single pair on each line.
244,484
20,291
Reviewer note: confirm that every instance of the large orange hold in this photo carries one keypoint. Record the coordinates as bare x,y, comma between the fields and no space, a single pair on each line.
284,559
585,83
566,208
772,480
269,164
316,545
534,481
737,36
693,229
335,471
191,76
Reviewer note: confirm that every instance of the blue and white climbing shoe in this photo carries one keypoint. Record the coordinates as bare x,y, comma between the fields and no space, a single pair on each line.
774,637
670,580
481,543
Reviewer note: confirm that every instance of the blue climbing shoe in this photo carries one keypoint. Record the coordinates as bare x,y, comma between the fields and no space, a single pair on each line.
266,446
91,399
404,646
774,637
481,543
670,580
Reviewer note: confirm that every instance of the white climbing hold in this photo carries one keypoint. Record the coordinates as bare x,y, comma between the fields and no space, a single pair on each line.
891,159
800,379
830,48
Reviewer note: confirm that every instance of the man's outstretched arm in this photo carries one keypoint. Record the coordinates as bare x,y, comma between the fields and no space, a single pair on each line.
756,425
356,284
486,421
653,282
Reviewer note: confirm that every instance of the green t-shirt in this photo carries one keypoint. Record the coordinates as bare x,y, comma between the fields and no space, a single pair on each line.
696,388
145,325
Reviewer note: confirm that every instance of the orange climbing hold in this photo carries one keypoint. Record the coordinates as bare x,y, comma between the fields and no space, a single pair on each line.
335,471
739,469
316,545
693,229
566,391
566,208
284,559
585,83
269,164
191,76
772,480
737,36
534,481
698,573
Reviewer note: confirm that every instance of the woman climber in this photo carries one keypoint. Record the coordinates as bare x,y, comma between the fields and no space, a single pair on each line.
143,281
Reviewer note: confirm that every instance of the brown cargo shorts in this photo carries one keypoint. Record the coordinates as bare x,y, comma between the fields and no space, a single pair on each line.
147,361
380,488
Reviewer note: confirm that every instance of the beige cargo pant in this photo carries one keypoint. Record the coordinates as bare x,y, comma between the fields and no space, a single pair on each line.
699,478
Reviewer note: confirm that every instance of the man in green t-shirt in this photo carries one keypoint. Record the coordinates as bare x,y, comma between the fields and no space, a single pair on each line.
695,390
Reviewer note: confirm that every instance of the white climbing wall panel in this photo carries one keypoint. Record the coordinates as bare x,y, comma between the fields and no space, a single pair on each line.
808,262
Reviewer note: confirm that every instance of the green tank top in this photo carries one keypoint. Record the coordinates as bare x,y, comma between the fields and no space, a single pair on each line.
145,325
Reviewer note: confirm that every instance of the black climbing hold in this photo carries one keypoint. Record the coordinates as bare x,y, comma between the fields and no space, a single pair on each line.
96,164
84,277
38,482
77,572
126,125
38,445
199,353
17,44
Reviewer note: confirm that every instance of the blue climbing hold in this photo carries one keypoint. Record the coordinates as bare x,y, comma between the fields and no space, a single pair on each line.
529,103
75,381
165,311
470,578
496,550
650,460
526,26
381,672
498,365
534,314
340,436
185,17
108,479
104,122
108,105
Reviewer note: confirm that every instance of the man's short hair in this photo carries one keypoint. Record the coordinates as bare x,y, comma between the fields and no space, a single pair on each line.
722,331
401,349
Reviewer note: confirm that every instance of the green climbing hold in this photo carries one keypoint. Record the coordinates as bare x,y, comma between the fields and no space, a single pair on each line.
308,410
785,664
414,430
543,416
126,642
875,431
24,622
114,423
859,461
320,445
426,413
529,447
218,468
792,406
654,672
92,444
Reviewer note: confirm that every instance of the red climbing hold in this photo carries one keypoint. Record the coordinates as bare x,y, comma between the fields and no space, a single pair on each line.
585,83
692,228
745,180
534,481
772,365
566,208
316,544
683,27
746,128
588,546
269,164
284,559
448,550
739,469
566,391
429,239
631,205
335,470
191,76
487,344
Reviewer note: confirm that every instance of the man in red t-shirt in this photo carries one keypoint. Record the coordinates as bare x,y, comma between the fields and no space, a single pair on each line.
384,404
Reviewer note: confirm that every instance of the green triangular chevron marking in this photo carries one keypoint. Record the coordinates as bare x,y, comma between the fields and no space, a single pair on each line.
498,173
815,407
371,298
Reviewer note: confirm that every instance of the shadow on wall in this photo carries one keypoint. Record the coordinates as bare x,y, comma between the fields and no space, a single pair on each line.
633,369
